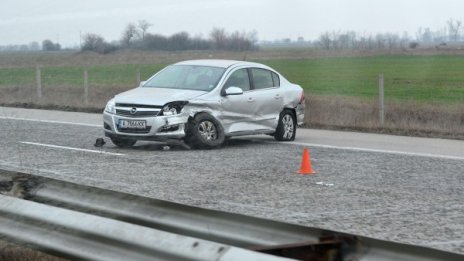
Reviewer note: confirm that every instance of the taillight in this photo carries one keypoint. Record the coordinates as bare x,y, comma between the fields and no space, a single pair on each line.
302,98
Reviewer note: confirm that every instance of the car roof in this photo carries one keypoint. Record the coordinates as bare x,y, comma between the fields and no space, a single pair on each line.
220,63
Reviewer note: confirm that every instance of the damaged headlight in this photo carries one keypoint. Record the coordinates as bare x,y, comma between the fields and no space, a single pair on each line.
173,108
110,107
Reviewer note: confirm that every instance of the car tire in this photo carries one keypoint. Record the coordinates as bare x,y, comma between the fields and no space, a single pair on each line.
286,128
204,132
123,143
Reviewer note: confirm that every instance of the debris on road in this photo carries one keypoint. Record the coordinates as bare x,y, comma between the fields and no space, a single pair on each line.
99,142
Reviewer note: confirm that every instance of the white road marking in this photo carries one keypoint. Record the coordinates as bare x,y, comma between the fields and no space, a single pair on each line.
50,121
71,148
324,184
430,155
374,150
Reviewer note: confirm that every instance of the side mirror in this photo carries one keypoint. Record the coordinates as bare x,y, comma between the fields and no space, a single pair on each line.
232,90
142,83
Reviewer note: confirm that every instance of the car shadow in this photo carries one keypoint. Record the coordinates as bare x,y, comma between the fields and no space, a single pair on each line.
178,146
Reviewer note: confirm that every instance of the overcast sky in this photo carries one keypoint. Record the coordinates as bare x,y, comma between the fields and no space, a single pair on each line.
24,21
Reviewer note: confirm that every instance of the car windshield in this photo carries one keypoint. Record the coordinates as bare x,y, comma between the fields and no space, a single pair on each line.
189,77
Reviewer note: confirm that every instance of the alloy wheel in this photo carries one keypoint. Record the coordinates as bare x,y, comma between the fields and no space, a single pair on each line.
207,130
288,125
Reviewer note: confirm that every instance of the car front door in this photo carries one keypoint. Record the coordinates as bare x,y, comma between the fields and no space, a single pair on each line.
238,110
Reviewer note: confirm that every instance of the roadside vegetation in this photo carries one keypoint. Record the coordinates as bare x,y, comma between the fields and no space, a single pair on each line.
436,79
12,252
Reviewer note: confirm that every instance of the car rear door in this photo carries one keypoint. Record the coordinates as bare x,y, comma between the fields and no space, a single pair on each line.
267,96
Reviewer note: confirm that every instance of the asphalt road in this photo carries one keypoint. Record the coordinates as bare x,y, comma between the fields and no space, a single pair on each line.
404,189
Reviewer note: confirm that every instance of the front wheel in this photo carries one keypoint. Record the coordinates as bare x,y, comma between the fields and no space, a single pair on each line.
204,131
286,128
123,143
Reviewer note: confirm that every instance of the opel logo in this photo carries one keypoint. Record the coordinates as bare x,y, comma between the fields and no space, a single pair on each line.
133,110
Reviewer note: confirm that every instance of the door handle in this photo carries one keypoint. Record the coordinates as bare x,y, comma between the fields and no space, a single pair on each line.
251,99
277,96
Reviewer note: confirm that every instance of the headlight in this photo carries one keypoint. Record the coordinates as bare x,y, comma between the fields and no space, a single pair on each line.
110,107
169,110
173,108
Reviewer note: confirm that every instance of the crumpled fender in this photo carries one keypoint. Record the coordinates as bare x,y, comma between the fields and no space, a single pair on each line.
195,107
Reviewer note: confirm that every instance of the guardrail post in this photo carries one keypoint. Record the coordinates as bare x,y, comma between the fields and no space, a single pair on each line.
86,87
38,78
381,101
137,76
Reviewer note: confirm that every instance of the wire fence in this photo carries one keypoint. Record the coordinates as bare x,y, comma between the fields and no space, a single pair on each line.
374,100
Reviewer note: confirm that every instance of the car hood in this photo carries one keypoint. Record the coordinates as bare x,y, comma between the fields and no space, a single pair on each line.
156,96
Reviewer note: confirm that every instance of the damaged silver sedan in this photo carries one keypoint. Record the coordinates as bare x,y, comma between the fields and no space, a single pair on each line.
203,102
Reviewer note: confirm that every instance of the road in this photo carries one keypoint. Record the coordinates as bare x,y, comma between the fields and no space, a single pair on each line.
404,189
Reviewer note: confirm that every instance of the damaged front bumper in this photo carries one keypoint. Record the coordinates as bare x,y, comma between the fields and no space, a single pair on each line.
154,128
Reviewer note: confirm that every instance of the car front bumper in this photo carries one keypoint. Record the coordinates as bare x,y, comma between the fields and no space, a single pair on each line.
157,128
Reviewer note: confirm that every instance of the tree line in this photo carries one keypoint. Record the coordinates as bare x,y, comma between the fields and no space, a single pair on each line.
453,31
136,36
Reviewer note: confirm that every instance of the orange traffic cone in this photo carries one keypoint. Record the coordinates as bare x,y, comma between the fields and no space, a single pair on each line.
306,167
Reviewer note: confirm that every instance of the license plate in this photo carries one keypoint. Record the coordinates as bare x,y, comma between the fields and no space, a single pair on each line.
132,124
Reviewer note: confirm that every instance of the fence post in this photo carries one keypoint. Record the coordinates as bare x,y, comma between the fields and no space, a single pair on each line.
137,76
381,101
86,87
38,78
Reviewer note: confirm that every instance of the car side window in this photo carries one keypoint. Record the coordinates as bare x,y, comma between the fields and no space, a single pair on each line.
239,79
262,78
275,79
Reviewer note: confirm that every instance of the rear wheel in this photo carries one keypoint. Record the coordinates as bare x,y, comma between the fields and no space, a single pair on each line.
123,143
286,128
204,131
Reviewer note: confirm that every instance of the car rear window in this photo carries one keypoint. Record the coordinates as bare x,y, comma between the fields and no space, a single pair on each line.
262,78
275,79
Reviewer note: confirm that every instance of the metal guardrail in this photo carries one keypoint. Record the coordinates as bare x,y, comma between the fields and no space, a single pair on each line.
82,222
83,236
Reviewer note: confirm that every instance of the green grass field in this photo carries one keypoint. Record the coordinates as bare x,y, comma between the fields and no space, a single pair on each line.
119,75
419,78
425,79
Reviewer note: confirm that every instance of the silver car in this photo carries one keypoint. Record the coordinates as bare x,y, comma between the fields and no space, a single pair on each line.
203,102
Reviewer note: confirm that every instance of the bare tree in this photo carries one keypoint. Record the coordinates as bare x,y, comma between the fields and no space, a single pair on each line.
155,42
48,45
325,40
454,29
427,36
392,40
252,36
380,41
96,43
219,37
343,41
405,39
128,34
179,41
143,25
239,41
440,35
198,43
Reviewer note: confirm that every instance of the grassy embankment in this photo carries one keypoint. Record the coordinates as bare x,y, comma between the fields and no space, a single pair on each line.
424,94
